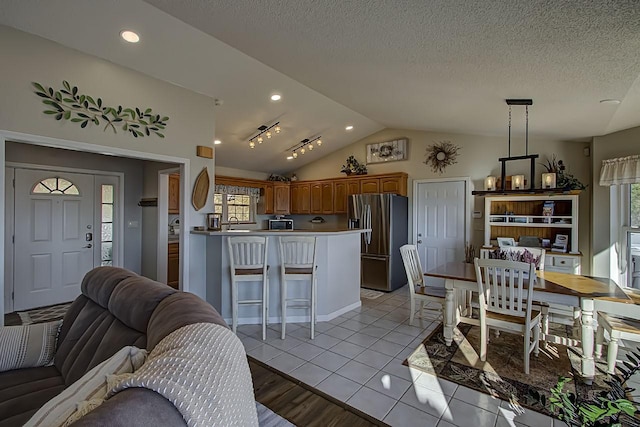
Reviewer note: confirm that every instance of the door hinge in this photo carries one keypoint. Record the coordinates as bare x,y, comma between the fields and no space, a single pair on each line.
13,239
14,182
13,295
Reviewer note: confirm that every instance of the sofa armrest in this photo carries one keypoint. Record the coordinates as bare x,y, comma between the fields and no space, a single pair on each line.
133,407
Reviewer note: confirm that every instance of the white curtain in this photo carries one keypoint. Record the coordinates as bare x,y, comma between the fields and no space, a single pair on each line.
233,189
624,170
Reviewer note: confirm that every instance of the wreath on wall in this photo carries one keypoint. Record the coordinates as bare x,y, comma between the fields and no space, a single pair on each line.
441,154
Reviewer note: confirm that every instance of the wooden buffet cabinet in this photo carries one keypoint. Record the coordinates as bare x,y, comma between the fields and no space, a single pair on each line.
325,196
522,215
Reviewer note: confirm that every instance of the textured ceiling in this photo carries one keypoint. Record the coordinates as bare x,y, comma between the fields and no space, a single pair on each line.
416,64
445,65
173,51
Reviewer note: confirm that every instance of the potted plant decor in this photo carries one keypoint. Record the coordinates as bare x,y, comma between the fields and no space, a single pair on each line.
564,179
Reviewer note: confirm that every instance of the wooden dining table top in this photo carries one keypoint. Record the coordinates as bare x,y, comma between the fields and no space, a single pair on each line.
548,281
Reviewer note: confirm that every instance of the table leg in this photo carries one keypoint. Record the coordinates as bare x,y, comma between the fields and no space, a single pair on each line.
449,311
588,364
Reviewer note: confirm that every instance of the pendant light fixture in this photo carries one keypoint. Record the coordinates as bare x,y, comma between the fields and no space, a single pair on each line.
518,181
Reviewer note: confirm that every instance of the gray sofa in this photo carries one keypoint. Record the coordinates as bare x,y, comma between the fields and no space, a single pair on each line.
117,308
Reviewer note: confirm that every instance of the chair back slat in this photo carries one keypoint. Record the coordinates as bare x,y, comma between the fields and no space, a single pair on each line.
412,266
298,252
247,252
505,287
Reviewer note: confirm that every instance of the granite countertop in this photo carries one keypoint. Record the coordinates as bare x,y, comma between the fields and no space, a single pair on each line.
241,232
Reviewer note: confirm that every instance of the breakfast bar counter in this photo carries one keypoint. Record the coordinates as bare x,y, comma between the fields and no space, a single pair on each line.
338,274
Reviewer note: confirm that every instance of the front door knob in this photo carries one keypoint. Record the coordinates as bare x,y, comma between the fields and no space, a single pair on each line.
419,241
89,246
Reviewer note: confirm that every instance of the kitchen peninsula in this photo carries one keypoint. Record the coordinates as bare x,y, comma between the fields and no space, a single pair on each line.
338,275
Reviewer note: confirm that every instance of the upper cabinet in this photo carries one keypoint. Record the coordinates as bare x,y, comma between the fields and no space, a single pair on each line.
340,196
281,198
369,185
327,196
174,193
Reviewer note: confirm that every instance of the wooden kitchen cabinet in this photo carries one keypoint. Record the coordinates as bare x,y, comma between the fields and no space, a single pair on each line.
340,196
316,198
394,184
301,198
281,198
266,202
327,198
369,185
174,193
173,265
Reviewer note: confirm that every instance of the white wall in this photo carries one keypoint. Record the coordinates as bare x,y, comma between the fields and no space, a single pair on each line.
477,158
27,58
618,144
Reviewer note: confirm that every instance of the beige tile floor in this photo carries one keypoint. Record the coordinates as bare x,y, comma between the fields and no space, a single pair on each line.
357,358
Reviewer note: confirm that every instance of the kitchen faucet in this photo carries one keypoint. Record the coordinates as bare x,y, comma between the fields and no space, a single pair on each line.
233,217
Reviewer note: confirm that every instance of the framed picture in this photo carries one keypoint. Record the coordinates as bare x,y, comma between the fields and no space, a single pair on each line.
388,151
506,241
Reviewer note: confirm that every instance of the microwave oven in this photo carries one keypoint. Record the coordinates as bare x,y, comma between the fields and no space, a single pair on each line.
280,224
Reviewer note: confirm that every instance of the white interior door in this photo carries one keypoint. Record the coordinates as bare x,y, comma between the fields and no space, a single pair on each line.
54,230
440,222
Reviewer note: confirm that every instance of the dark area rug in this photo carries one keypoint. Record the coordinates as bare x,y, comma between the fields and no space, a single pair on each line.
502,375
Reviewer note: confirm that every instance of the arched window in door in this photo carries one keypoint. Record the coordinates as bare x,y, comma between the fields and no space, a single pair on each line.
55,186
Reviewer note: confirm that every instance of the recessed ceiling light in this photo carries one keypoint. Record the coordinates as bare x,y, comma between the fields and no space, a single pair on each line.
349,127
217,142
275,97
130,36
290,158
610,101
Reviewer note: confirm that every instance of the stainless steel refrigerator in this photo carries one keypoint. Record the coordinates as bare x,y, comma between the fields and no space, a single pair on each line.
380,259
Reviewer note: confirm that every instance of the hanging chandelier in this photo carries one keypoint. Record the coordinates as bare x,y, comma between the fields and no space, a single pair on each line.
304,146
517,182
264,132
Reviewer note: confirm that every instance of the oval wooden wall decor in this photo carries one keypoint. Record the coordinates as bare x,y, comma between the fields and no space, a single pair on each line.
200,190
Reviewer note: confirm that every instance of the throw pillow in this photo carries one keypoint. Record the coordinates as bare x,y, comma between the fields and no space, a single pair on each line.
91,387
28,346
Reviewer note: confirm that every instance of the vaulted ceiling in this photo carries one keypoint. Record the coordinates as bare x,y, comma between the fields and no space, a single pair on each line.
431,65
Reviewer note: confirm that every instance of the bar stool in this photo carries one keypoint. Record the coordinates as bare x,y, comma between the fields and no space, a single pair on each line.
248,263
298,263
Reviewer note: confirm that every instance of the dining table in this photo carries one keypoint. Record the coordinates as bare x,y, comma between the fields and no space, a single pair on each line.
586,292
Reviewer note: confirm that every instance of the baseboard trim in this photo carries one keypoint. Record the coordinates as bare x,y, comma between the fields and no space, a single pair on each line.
296,319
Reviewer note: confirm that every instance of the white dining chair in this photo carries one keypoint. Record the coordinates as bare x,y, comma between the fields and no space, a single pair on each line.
505,292
248,263
622,323
418,291
551,312
298,264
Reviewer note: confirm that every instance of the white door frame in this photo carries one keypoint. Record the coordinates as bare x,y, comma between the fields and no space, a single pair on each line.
6,135
119,261
468,205
163,224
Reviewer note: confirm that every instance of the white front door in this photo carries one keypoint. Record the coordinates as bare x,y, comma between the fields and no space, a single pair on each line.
54,231
440,222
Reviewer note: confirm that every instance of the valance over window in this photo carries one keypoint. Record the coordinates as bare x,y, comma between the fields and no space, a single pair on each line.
234,189
624,170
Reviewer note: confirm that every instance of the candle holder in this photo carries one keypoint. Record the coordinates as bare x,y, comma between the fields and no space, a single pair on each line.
490,183
517,182
549,180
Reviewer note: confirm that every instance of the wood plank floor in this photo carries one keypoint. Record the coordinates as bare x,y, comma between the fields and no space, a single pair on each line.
301,404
